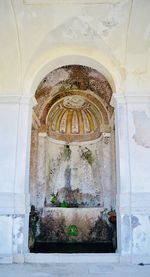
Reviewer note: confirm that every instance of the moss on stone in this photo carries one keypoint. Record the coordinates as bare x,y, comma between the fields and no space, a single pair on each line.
87,155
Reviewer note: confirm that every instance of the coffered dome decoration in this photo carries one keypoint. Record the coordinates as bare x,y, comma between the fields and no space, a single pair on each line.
74,118
73,104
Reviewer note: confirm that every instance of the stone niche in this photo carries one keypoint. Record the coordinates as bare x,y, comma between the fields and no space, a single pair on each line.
74,174
72,178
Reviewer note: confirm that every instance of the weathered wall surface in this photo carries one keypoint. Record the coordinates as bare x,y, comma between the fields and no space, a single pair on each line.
42,37
75,225
76,173
132,120
14,197
104,31
87,176
139,141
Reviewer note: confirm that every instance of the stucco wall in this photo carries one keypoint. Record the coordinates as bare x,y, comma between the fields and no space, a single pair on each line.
36,39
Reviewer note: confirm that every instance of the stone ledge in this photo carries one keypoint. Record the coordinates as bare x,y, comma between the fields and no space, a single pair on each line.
43,2
17,99
6,259
127,98
19,259
136,259
14,203
135,202
71,258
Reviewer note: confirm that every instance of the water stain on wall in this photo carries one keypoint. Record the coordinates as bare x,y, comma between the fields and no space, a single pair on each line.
142,127
135,221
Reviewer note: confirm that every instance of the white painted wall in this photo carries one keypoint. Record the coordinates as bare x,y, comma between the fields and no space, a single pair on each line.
132,121
114,39
8,145
14,198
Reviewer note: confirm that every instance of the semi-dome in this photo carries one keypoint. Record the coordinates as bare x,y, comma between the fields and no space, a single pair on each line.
74,118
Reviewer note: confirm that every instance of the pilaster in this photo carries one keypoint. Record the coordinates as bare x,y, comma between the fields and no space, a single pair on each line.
133,175
15,116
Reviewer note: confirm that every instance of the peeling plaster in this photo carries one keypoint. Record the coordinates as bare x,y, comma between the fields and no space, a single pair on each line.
141,235
141,231
126,220
18,234
135,222
142,128
147,33
76,173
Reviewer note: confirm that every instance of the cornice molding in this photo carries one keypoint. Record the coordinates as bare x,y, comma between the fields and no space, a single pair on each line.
46,2
17,99
132,98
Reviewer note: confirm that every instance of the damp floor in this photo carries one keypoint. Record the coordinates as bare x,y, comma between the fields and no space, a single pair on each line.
74,270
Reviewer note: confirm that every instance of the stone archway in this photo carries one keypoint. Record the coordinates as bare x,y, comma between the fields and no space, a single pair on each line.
73,106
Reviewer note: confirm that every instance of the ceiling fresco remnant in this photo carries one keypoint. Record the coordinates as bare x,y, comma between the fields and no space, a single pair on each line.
74,103
74,118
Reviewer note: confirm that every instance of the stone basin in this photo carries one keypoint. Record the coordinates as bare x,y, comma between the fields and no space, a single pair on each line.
72,214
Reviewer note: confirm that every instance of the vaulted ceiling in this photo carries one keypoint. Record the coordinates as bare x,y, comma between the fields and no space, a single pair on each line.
116,32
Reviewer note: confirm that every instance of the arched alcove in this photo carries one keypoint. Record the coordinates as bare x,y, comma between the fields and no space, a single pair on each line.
72,178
